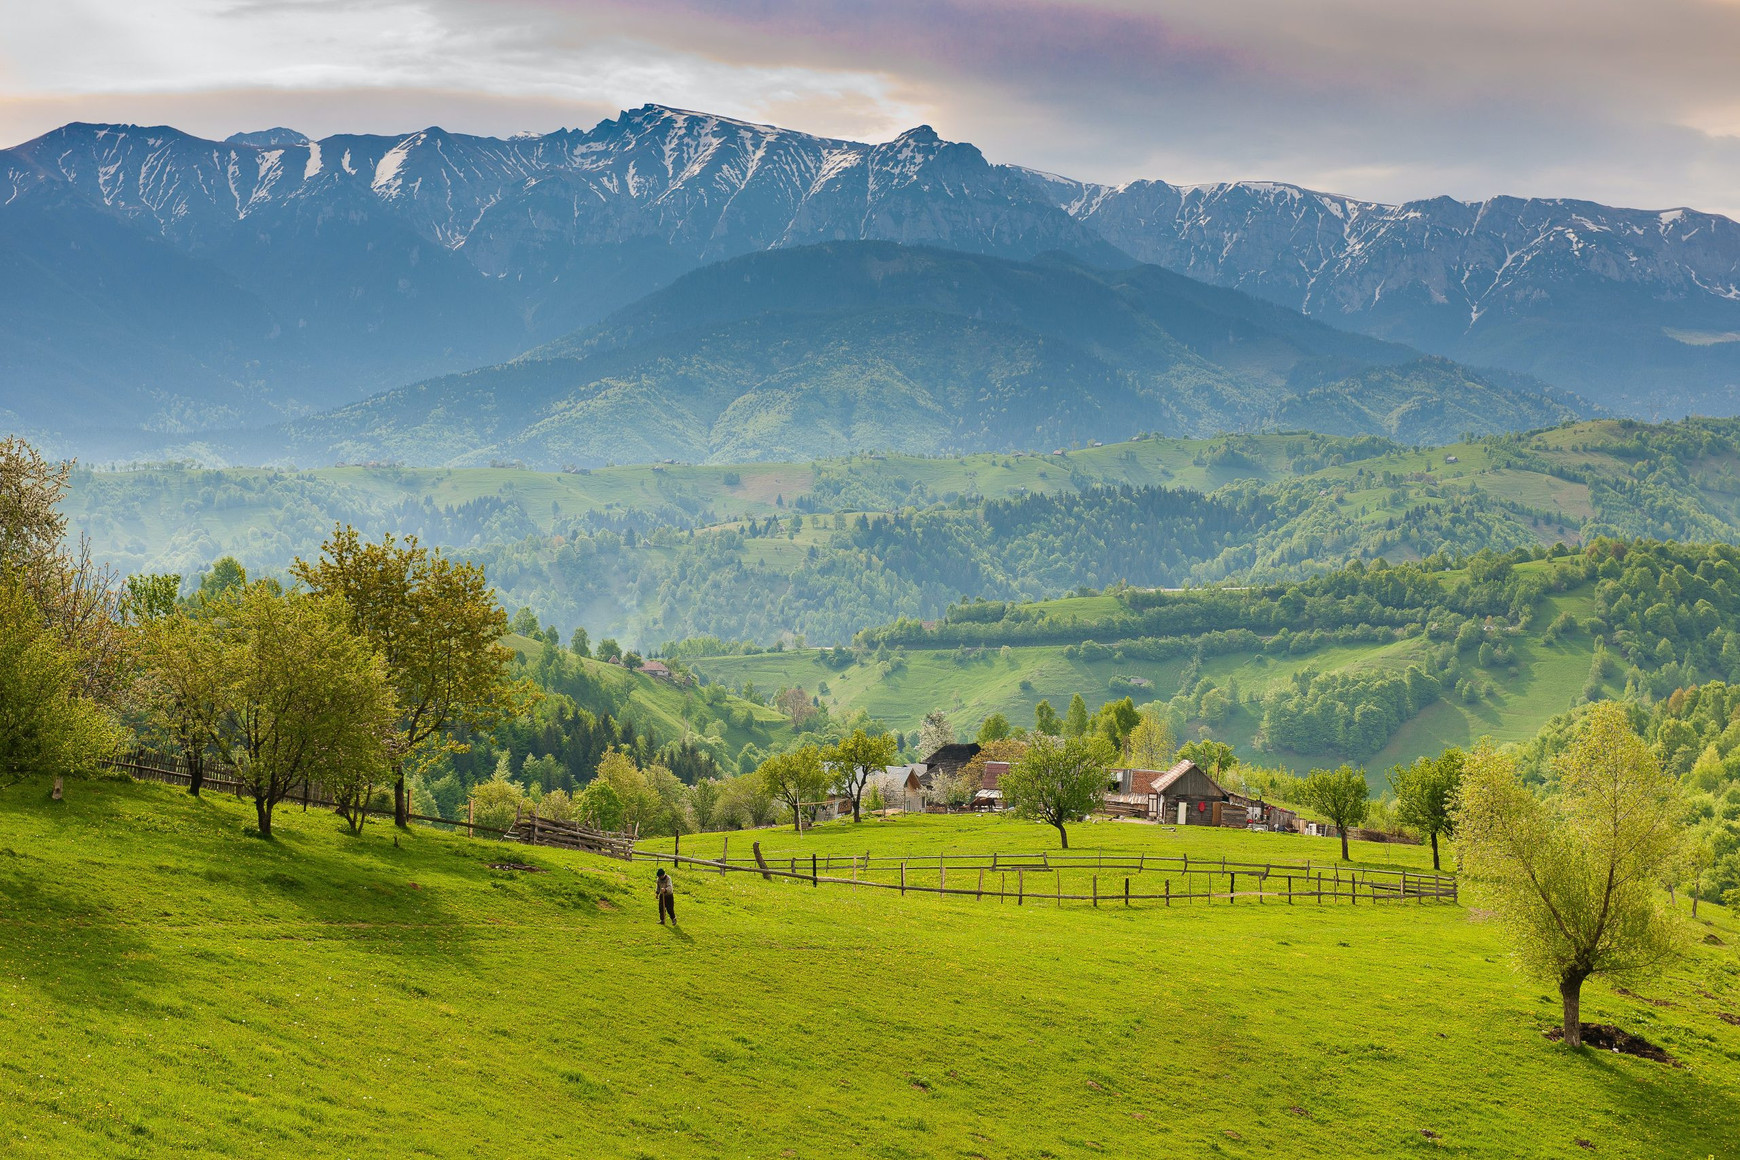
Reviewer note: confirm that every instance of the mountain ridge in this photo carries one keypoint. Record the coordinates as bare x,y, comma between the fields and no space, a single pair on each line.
365,261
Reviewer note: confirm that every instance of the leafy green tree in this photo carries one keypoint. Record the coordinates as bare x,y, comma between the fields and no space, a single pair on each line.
1576,876
182,653
1211,756
301,696
149,596
496,803
1116,720
1339,794
855,760
1426,792
1046,720
600,806
994,728
525,623
794,779
1059,781
1075,721
437,627
1150,744
226,576
580,644
47,724
609,650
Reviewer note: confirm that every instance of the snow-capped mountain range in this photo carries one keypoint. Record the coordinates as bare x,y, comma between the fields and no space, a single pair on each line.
155,278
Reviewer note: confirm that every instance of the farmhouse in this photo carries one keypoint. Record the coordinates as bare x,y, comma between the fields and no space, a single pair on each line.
1183,795
655,668
903,787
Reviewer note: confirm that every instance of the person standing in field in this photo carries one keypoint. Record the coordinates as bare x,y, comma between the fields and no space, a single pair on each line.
667,892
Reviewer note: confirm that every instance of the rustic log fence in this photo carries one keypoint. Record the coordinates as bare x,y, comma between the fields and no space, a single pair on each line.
144,765
1039,878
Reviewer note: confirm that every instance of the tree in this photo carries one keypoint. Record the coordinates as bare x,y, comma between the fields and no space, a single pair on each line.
1058,782
1576,876
609,650
1341,795
794,779
1425,793
437,627
580,644
795,703
1116,720
47,724
1046,720
993,728
1210,756
935,733
149,596
855,760
1075,720
301,696
1150,744
183,656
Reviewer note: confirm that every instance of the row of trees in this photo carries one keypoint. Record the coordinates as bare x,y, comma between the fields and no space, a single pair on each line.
354,677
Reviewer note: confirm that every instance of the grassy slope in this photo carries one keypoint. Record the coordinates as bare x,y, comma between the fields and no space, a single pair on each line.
665,706
1547,681
171,986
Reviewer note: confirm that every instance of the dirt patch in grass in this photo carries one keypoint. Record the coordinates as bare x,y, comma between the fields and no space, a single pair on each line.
1606,1037
1729,1017
526,866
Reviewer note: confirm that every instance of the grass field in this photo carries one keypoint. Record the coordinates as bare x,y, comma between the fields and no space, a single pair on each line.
170,985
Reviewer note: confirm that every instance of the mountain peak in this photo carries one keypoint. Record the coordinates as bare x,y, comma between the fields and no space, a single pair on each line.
273,138
920,134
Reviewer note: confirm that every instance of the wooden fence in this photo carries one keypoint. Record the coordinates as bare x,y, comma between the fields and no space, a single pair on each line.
1039,878
1111,878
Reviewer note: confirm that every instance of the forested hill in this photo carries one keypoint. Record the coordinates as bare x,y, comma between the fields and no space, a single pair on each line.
765,552
856,346
1371,663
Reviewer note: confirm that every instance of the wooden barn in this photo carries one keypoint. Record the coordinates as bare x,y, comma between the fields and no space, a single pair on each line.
948,759
1184,795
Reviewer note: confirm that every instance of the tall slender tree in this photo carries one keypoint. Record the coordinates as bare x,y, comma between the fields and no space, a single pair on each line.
1426,792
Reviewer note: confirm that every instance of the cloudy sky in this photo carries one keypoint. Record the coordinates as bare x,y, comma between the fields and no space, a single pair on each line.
1634,102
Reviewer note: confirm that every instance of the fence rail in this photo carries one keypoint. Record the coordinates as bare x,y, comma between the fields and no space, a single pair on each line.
1289,884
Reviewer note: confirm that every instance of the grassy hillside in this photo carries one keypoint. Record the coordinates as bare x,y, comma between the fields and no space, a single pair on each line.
654,553
169,985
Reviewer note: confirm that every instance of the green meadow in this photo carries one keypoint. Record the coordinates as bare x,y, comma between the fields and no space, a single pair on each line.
171,985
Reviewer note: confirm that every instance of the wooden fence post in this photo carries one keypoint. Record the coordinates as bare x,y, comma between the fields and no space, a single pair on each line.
981,884
1020,887
766,874
903,879
1232,884
1096,891
814,881
725,854
942,876
1169,892
1126,892
470,819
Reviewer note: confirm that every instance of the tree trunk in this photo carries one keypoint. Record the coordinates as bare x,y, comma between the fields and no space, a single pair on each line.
263,812
1571,991
59,787
1063,834
401,804
1342,830
1434,849
855,798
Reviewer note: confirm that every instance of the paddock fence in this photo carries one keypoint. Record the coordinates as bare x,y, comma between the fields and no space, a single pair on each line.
1098,879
